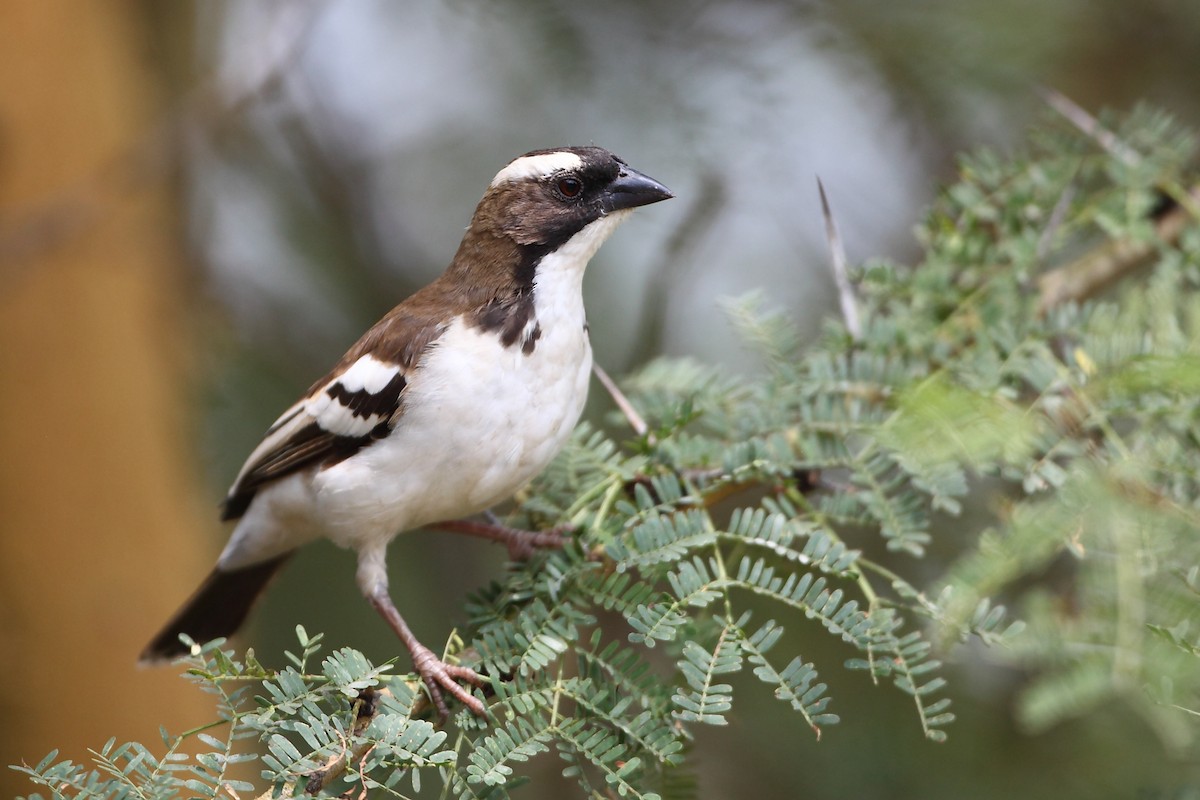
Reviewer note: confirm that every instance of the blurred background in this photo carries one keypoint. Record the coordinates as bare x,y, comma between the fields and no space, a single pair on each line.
203,204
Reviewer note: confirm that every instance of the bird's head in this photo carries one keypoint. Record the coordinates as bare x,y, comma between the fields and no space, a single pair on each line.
544,198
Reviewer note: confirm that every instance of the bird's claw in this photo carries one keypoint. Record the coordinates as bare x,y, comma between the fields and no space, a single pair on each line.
523,544
438,676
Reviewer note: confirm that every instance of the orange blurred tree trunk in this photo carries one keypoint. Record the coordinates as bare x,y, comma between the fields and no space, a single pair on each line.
101,533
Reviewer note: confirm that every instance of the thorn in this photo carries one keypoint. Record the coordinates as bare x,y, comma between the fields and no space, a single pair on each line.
841,276
1057,215
1075,114
631,415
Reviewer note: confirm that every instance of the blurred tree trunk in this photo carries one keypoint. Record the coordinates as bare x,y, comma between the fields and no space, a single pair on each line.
101,533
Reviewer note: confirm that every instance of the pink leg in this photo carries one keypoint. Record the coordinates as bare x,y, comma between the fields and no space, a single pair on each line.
437,674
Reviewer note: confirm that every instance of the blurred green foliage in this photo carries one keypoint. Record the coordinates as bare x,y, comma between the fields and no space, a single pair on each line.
822,499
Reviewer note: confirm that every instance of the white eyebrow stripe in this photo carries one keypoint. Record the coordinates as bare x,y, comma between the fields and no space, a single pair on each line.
537,166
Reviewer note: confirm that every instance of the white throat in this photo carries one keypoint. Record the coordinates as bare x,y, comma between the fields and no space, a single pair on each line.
558,280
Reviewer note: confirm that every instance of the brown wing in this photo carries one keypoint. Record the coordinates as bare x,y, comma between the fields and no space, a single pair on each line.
360,401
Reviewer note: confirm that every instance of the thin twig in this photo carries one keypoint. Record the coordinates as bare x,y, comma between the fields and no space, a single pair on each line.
841,275
315,781
1090,126
631,414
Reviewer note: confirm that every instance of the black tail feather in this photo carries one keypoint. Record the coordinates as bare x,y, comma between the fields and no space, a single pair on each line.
218,608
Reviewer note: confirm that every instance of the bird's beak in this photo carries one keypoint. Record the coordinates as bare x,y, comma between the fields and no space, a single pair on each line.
631,189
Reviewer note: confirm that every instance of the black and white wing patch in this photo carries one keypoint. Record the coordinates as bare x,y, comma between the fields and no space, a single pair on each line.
345,414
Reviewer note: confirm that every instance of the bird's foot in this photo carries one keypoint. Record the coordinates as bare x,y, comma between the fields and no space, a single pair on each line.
521,544
436,673
439,676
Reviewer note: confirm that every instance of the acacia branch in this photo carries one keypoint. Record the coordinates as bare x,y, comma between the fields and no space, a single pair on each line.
1100,268
365,710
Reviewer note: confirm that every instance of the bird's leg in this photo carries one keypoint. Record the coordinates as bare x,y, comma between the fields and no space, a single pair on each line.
521,544
436,673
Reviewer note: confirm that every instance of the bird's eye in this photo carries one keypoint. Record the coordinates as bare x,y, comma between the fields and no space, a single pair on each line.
570,187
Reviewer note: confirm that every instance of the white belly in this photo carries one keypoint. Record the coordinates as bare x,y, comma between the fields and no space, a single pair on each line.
480,420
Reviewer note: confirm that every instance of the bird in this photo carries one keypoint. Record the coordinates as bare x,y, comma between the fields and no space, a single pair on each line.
449,404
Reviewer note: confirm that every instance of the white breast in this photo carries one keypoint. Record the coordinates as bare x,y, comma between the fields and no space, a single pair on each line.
480,419
480,423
